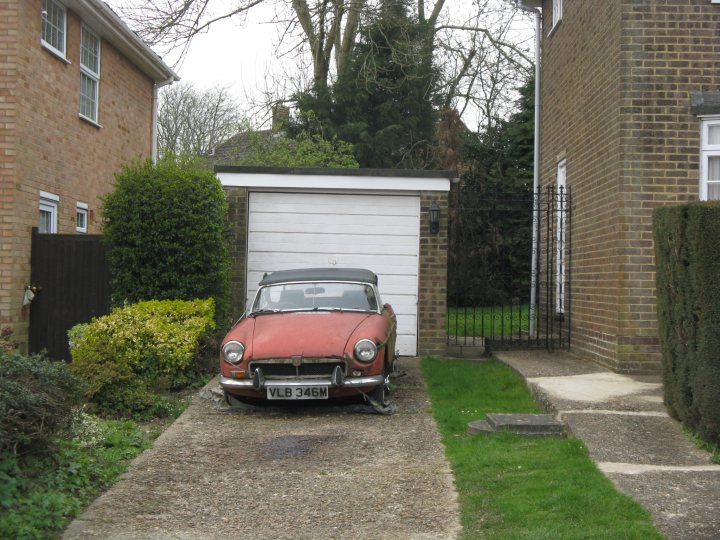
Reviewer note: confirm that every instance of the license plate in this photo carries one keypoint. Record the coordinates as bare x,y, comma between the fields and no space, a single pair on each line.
297,392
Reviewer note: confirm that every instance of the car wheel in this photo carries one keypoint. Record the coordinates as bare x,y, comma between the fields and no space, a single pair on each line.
380,392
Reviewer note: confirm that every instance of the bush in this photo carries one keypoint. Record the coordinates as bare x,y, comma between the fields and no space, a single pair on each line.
36,400
688,292
164,227
128,357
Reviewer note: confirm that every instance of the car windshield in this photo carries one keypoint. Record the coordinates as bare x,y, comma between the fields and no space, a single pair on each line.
315,296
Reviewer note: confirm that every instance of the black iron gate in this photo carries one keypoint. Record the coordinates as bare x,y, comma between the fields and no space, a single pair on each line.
72,277
509,270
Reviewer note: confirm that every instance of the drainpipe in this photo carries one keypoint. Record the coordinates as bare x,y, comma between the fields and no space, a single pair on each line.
531,6
157,87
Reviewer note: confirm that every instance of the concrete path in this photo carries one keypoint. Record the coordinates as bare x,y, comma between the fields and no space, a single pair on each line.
628,433
293,472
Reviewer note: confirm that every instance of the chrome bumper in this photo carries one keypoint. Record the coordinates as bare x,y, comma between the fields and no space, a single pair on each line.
349,382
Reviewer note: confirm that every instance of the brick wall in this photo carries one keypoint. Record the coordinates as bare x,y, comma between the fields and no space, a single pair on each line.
616,82
237,239
9,24
580,123
432,298
56,150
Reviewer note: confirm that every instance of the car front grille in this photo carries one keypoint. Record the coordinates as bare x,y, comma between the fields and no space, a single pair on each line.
310,367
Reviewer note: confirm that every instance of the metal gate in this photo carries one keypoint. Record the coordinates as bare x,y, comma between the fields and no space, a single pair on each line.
72,277
509,281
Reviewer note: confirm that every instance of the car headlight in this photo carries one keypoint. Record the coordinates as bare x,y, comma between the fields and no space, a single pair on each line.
233,351
365,350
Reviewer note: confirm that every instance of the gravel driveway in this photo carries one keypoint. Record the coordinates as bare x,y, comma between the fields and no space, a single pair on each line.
287,472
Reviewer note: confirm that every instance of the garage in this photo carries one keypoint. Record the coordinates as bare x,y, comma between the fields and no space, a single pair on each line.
303,218
306,230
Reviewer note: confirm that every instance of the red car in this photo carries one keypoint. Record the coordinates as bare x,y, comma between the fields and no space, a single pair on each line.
311,334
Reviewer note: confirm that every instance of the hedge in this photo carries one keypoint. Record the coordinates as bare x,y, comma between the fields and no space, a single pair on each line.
129,357
687,249
164,226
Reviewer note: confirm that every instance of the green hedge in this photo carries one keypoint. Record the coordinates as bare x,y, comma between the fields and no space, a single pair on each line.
687,245
129,357
164,226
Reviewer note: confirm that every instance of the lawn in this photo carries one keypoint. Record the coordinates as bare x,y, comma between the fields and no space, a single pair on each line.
497,321
519,487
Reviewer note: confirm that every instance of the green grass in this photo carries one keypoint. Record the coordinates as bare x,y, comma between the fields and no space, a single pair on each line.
41,494
487,321
518,487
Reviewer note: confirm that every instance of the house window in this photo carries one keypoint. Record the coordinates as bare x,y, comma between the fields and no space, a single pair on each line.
53,26
89,75
710,159
561,205
48,212
81,217
557,8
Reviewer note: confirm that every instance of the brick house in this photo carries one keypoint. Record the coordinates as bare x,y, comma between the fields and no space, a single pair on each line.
78,99
630,119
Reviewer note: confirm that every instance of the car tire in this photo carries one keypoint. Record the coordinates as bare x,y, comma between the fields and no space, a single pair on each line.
381,391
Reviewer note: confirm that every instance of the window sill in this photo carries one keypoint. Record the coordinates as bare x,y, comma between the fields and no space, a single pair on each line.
57,54
89,121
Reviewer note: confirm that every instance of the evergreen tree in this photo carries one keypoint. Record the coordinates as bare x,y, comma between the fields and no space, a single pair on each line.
383,101
491,226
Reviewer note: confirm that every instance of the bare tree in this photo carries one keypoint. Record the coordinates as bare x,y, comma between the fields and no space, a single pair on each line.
485,60
193,122
472,43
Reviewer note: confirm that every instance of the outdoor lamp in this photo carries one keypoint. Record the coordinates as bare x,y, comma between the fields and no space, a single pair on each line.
434,213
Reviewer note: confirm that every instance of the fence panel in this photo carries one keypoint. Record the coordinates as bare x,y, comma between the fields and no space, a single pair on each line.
73,280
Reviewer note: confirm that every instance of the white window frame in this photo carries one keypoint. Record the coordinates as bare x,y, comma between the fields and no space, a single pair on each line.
49,202
92,75
707,151
45,22
560,235
557,12
81,209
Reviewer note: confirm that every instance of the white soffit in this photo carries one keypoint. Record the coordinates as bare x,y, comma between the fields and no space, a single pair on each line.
333,182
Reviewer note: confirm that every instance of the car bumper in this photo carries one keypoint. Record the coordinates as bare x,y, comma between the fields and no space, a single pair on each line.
350,382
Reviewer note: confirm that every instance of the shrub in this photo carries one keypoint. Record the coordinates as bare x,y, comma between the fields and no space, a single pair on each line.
164,227
7,343
688,292
128,356
36,400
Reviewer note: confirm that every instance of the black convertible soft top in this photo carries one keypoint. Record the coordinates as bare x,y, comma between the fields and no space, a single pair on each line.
321,274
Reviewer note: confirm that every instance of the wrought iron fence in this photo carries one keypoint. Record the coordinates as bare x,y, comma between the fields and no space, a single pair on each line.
509,269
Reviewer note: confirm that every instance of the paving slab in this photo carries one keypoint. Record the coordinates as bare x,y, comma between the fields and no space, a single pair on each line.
633,438
684,504
628,433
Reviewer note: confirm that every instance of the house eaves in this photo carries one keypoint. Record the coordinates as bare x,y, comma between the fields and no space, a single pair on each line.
106,23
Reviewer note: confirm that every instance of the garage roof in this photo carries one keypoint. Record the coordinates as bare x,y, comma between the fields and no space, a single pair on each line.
375,180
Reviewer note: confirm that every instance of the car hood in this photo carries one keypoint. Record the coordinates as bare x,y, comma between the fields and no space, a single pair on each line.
314,334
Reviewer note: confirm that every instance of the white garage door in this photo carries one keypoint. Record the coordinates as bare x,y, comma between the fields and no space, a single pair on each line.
310,230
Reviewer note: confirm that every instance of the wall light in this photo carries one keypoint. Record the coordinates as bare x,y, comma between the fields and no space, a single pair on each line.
434,214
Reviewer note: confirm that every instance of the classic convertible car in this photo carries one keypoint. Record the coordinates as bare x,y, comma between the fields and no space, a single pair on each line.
311,334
